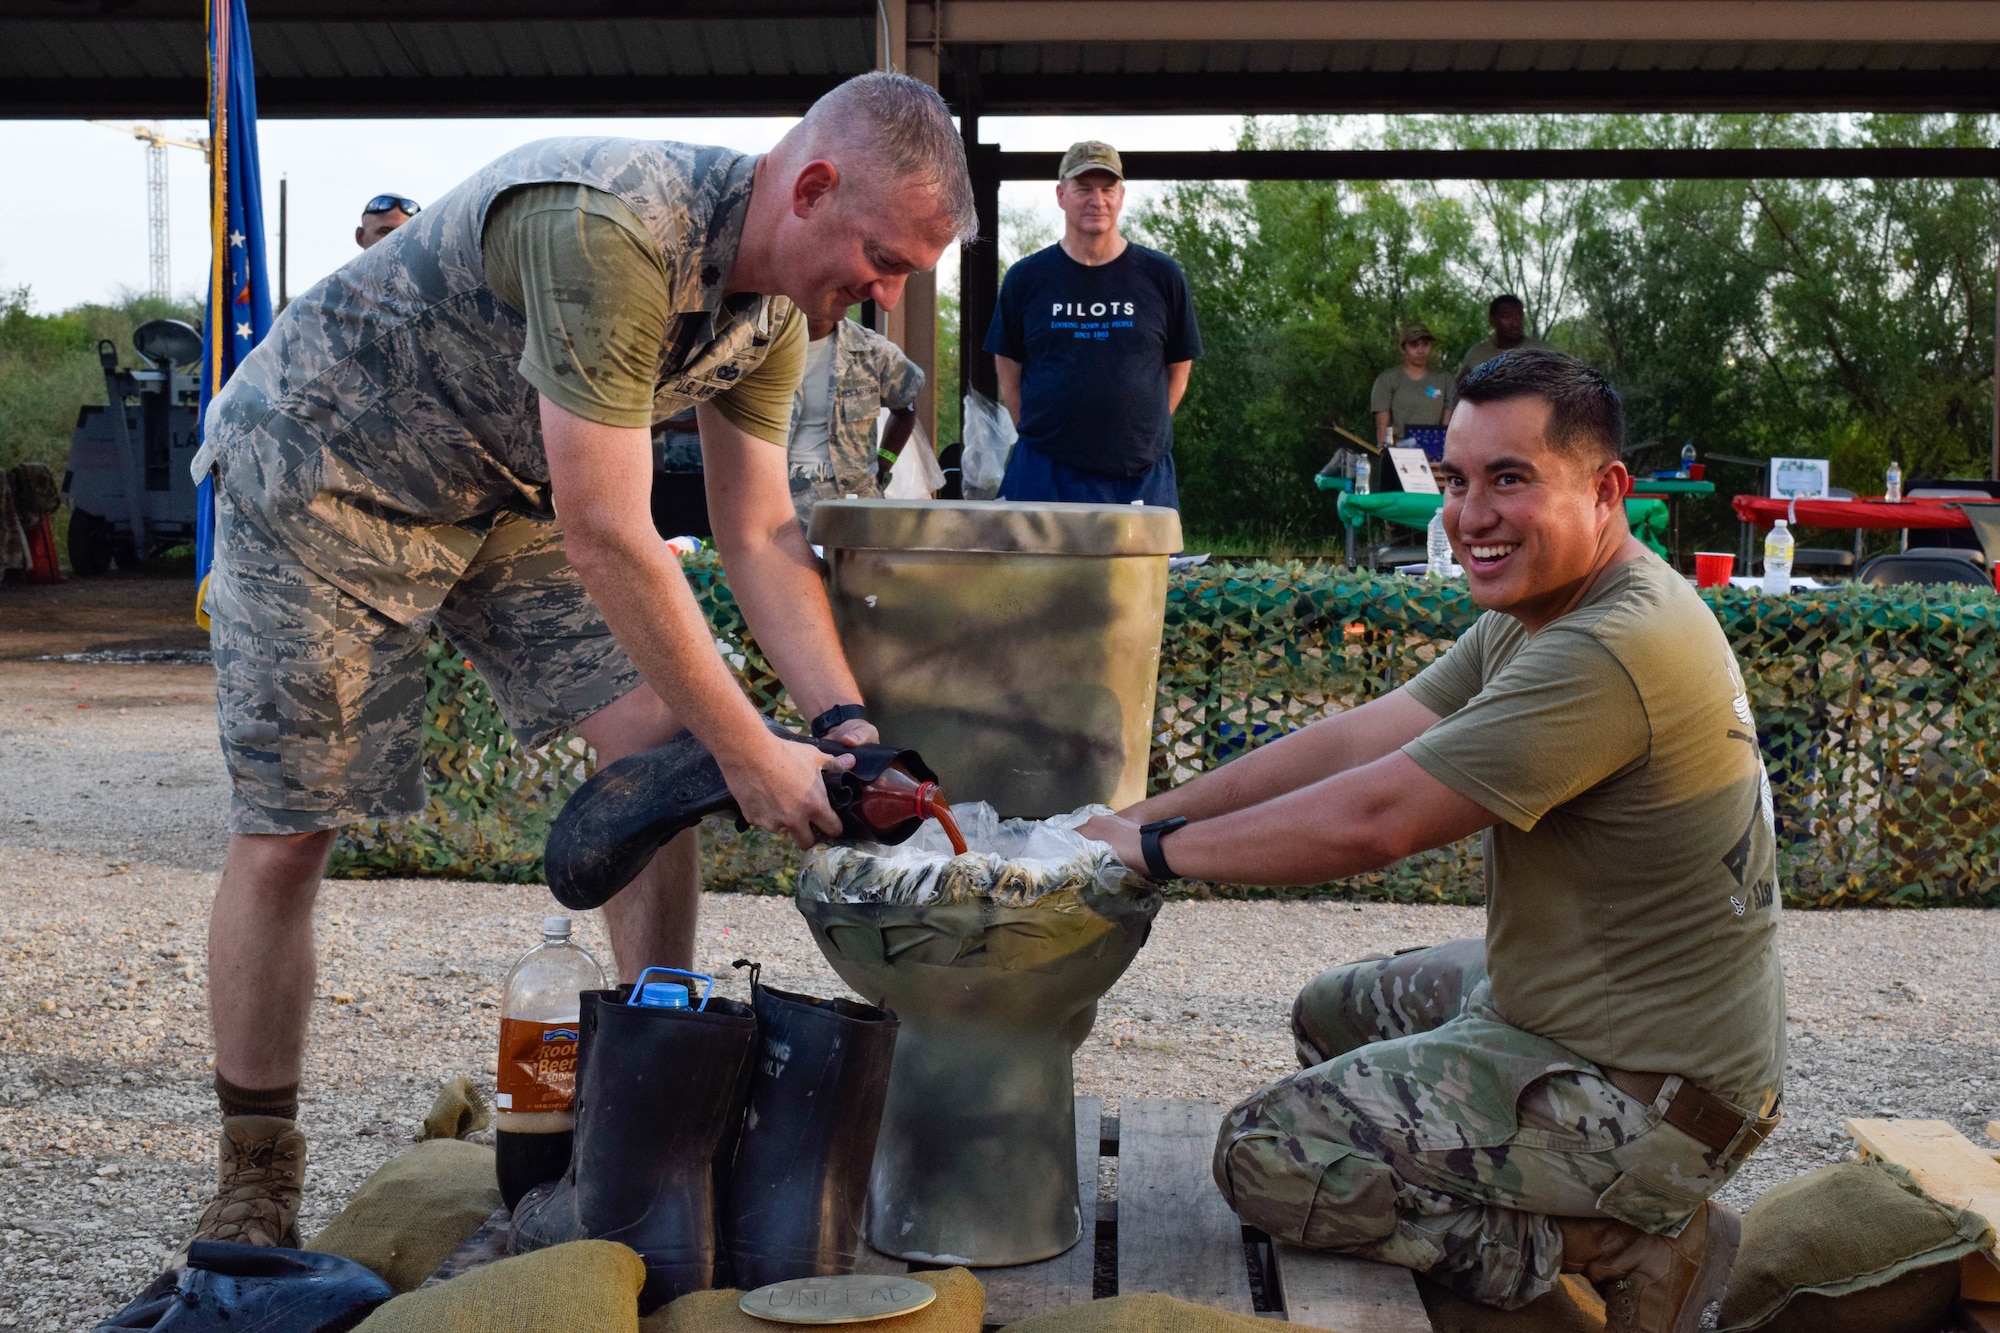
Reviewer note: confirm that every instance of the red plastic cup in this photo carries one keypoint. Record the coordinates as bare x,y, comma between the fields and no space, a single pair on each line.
1696,471
1712,568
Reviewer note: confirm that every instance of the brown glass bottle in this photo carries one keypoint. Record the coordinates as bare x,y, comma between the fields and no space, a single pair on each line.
895,797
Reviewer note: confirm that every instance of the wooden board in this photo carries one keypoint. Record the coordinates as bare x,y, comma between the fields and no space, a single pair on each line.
1176,1235
1321,1290
1948,1165
1027,1290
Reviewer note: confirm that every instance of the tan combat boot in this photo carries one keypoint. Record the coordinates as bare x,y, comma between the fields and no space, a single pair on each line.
1654,1284
257,1191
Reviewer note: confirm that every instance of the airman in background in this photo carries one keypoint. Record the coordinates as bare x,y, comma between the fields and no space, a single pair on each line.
382,215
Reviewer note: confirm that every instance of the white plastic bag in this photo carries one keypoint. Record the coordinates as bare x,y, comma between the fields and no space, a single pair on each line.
1011,862
989,439
916,474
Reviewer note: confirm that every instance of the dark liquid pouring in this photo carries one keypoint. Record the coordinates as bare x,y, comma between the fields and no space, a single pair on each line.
895,796
942,814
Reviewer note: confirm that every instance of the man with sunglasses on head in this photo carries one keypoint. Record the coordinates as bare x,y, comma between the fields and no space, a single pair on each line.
382,215
454,433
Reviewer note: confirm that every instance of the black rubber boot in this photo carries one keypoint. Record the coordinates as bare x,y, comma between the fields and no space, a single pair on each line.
610,827
798,1191
657,1090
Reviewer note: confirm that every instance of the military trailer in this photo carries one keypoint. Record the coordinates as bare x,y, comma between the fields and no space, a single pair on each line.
128,485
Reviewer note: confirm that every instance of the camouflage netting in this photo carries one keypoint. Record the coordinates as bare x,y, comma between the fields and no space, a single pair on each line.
1877,710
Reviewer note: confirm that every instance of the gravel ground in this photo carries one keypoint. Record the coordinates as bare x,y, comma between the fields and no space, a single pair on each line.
111,799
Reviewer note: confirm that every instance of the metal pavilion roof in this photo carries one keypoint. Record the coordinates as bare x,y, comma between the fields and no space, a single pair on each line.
435,57
483,57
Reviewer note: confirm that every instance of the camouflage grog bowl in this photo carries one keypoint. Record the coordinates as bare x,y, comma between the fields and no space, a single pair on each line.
976,1161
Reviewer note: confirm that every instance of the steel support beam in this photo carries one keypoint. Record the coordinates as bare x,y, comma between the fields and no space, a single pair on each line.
1282,92
1787,22
1538,164
530,95
979,264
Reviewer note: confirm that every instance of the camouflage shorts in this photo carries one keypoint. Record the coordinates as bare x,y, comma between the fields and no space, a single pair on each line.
1427,1132
320,698
811,485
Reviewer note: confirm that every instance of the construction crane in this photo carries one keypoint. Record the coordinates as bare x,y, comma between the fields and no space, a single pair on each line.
157,141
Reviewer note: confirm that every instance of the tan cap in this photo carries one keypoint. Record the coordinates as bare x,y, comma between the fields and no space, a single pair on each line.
1415,331
1090,155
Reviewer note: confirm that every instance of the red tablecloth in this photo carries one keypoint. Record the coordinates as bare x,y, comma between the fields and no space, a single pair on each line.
1849,513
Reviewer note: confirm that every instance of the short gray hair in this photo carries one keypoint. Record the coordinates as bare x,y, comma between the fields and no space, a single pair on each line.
907,127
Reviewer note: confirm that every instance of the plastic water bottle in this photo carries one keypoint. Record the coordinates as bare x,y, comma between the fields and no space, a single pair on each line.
1778,548
1687,459
534,1116
1892,489
1437,554
1361,466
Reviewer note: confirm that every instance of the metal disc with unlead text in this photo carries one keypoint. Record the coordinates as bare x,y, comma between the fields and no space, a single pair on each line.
847,1298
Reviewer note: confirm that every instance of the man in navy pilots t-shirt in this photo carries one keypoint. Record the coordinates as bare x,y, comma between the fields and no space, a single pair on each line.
1093,340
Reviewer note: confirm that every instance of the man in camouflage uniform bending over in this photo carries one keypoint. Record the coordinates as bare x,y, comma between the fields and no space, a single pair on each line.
1564,1095
453,430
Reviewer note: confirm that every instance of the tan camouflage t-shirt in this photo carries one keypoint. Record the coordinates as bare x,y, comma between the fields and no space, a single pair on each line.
1631,892
586,275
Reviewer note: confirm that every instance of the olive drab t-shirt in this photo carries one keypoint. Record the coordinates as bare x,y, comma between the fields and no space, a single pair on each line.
1631,891
1486,349
385,424
588,277
1410,402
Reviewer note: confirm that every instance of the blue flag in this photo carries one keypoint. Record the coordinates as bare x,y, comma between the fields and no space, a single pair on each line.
239,292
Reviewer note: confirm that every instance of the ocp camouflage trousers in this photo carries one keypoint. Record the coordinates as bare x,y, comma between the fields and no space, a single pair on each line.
1427,1132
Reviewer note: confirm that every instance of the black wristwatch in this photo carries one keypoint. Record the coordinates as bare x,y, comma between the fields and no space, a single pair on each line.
834,716
1157,868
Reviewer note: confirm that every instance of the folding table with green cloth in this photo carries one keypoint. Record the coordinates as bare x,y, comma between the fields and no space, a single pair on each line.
1410,510
1674,490
1672,486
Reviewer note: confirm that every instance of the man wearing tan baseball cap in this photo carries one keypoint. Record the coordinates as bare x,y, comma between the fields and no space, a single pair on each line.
1093,339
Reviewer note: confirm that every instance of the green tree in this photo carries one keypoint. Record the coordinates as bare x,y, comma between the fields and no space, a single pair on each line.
49,368
1851,320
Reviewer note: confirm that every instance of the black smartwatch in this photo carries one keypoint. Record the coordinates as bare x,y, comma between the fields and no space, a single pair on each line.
834,717
1150,835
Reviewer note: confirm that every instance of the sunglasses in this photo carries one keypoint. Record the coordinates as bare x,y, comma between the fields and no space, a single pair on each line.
382,203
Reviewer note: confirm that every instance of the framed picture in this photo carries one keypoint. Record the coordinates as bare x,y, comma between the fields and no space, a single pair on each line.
1799,478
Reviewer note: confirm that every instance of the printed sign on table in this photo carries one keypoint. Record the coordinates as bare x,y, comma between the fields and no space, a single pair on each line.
1799,478
1413,471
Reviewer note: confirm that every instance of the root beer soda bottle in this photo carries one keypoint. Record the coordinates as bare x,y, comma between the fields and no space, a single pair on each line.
533,1116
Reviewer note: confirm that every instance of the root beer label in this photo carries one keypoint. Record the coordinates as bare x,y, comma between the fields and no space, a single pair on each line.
537,1066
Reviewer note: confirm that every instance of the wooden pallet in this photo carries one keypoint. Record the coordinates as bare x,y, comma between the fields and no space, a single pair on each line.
1169,1231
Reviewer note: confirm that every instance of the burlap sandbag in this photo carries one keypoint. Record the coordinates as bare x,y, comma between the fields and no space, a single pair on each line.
1142,1312
959,1308
409,1216
460,1108
1852,1248
586,1286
